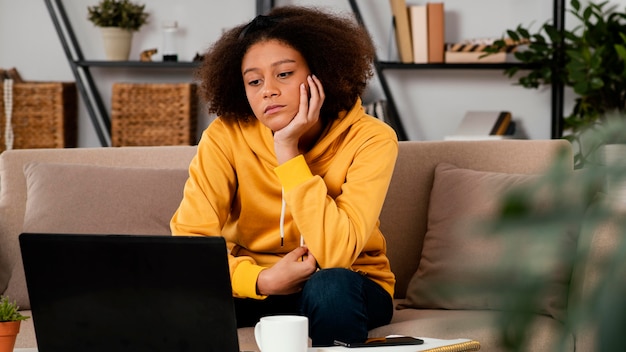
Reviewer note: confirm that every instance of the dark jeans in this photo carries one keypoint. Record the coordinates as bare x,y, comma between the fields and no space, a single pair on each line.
340,304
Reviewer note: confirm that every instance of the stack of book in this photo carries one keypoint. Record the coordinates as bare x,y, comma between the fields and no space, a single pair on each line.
419,31
420,37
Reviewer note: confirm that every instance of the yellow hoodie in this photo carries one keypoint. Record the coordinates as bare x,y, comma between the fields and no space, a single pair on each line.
333,196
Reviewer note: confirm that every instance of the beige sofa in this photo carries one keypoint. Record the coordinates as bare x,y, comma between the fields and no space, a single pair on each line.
96,190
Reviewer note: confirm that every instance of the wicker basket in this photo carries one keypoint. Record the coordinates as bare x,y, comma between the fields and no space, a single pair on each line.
44,115
153,114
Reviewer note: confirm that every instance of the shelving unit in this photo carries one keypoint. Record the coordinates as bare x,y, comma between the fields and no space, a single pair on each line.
80,67
394,117
102,123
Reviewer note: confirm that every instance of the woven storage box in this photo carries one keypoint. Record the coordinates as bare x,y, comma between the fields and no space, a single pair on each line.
153,114
44,115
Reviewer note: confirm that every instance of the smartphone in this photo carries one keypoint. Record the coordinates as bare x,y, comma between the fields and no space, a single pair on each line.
383,341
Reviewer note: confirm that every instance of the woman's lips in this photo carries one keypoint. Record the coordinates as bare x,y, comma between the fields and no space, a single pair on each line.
273,109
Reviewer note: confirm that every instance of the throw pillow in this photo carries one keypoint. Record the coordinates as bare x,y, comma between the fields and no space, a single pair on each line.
463,266
75,198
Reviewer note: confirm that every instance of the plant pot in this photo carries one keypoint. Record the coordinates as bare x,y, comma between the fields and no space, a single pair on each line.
116,43
8,334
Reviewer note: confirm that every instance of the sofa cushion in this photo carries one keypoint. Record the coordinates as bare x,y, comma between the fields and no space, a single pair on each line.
75,198
465,266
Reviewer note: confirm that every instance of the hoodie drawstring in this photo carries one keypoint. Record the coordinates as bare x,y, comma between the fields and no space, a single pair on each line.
282,218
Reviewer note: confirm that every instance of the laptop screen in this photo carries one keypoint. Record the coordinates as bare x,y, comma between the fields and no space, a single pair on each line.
129,293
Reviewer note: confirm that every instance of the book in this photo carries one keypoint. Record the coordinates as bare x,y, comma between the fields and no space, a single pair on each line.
484,125
419,33
377,109
511,130
436,32
400,12
380,110
502,124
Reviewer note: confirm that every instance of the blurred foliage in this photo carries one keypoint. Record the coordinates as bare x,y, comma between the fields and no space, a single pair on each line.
571,200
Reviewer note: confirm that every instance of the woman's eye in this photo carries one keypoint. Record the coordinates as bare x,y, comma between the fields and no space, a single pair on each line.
284,74
255,82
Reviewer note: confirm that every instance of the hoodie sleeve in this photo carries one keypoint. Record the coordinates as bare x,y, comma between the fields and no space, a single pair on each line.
338,229
293,173
207,200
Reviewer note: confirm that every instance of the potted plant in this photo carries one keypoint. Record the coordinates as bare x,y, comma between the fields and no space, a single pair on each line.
10,319
590,59
118,19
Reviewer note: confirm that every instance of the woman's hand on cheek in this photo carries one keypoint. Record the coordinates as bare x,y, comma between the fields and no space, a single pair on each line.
287,139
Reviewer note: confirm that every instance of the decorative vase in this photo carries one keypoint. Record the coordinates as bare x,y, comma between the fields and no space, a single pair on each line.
116,43
8,334
614,156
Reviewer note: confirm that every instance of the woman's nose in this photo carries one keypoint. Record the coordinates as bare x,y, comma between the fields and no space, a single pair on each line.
270,90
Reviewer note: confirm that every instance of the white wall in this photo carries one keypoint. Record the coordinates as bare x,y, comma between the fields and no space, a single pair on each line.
431,102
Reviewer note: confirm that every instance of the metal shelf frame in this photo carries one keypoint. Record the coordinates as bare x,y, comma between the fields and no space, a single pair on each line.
84,80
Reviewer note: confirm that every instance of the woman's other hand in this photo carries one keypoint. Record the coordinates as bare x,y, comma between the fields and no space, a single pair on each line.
288,275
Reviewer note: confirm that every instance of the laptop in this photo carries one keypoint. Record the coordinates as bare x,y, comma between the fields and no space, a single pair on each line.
124,293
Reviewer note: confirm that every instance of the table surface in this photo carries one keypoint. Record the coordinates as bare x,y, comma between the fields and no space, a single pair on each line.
428,344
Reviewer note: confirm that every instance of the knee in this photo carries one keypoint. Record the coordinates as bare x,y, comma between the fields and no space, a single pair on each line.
330,286
332,300
334,280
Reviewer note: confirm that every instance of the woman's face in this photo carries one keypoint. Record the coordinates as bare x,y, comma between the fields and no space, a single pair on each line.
272,73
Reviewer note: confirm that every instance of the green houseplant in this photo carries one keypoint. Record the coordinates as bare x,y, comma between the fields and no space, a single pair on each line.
590,59
118,13
118,19
579,203
10,319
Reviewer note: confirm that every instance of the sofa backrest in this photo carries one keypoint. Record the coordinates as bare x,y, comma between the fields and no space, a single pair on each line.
13,183
405,212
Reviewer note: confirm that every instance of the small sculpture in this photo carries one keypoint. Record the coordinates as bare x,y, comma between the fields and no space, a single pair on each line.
146,55
198,57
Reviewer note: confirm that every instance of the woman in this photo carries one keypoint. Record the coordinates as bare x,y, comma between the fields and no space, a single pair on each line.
293,173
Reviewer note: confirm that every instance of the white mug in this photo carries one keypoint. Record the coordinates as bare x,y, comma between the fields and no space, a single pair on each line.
282,333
